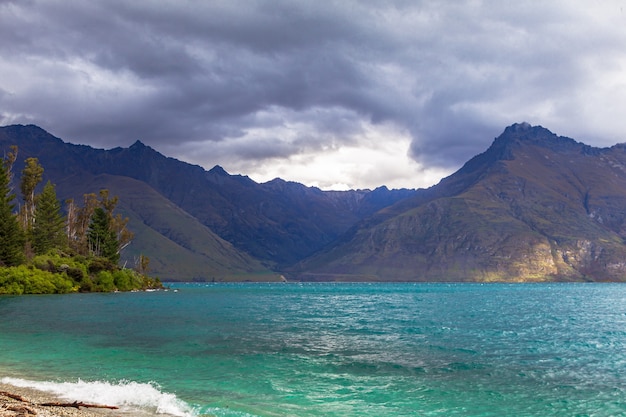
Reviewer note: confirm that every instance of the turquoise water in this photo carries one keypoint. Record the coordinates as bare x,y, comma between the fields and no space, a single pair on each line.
327,349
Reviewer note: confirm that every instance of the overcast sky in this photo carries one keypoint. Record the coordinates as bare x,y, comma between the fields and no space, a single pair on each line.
336,94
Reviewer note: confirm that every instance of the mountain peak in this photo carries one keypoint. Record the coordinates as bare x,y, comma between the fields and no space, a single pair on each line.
533,207
29,133
505,147
525,131
520,126
138,144
218,170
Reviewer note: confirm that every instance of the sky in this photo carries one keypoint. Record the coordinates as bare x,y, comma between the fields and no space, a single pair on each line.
334,94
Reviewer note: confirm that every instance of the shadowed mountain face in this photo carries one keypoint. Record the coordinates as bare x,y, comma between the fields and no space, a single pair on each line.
198,224
533,207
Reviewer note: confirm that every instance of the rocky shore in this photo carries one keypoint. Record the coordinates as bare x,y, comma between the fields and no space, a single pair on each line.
26,402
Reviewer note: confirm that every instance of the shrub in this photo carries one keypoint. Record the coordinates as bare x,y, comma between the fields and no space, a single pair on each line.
101,264
25,280
8,283
105,281
123,279
86,285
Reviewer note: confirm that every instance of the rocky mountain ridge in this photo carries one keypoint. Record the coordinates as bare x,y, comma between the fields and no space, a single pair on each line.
275,224
533,207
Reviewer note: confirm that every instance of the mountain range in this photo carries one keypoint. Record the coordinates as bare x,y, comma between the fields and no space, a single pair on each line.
195,224
533,207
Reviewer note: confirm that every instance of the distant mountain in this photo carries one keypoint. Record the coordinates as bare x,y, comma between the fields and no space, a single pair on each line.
179,247
533,207
198,224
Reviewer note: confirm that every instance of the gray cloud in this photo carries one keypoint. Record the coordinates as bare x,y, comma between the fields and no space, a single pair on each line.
258,84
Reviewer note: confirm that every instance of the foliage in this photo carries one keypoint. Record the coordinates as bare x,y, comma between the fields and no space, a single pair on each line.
79,253
102,240
49,225
12,237
31,177
118,235
78,219
56,273
28,280
104,281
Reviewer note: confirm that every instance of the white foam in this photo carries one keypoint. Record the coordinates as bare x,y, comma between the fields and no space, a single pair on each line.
121,394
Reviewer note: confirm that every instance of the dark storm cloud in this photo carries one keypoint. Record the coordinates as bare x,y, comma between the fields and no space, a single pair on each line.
231,81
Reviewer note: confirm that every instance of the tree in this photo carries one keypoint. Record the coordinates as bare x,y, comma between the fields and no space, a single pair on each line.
117,224
142,263
49,224
122,234
31,177
12,238
95,229
102,239
78,220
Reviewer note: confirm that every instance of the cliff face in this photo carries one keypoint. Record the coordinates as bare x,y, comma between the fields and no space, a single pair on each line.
533,207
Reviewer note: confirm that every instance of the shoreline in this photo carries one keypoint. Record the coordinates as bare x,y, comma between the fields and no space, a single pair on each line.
99,399
32,400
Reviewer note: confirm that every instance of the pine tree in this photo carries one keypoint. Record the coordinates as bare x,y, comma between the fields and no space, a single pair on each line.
117,222
12,237
49,224
102,239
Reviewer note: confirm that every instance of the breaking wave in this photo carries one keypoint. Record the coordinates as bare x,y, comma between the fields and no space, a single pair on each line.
147,397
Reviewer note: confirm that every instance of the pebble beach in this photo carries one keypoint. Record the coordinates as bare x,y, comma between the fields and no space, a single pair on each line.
26,402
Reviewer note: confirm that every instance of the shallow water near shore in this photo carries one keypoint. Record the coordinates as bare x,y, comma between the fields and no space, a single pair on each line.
327,349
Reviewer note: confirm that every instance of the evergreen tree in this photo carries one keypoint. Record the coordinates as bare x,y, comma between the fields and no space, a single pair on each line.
49,224
12,237
102,239
118,223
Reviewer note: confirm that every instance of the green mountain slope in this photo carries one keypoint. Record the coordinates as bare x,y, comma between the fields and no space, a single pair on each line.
179,247
533,207
278,222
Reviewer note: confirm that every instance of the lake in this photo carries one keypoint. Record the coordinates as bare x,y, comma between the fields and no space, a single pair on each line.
327,349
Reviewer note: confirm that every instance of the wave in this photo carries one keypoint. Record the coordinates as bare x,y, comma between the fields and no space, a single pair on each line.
126,394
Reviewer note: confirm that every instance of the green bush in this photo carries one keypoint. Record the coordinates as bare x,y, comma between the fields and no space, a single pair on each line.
101,264
8,282
123,280
76,274
56,272
105,282
12,289
24,280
